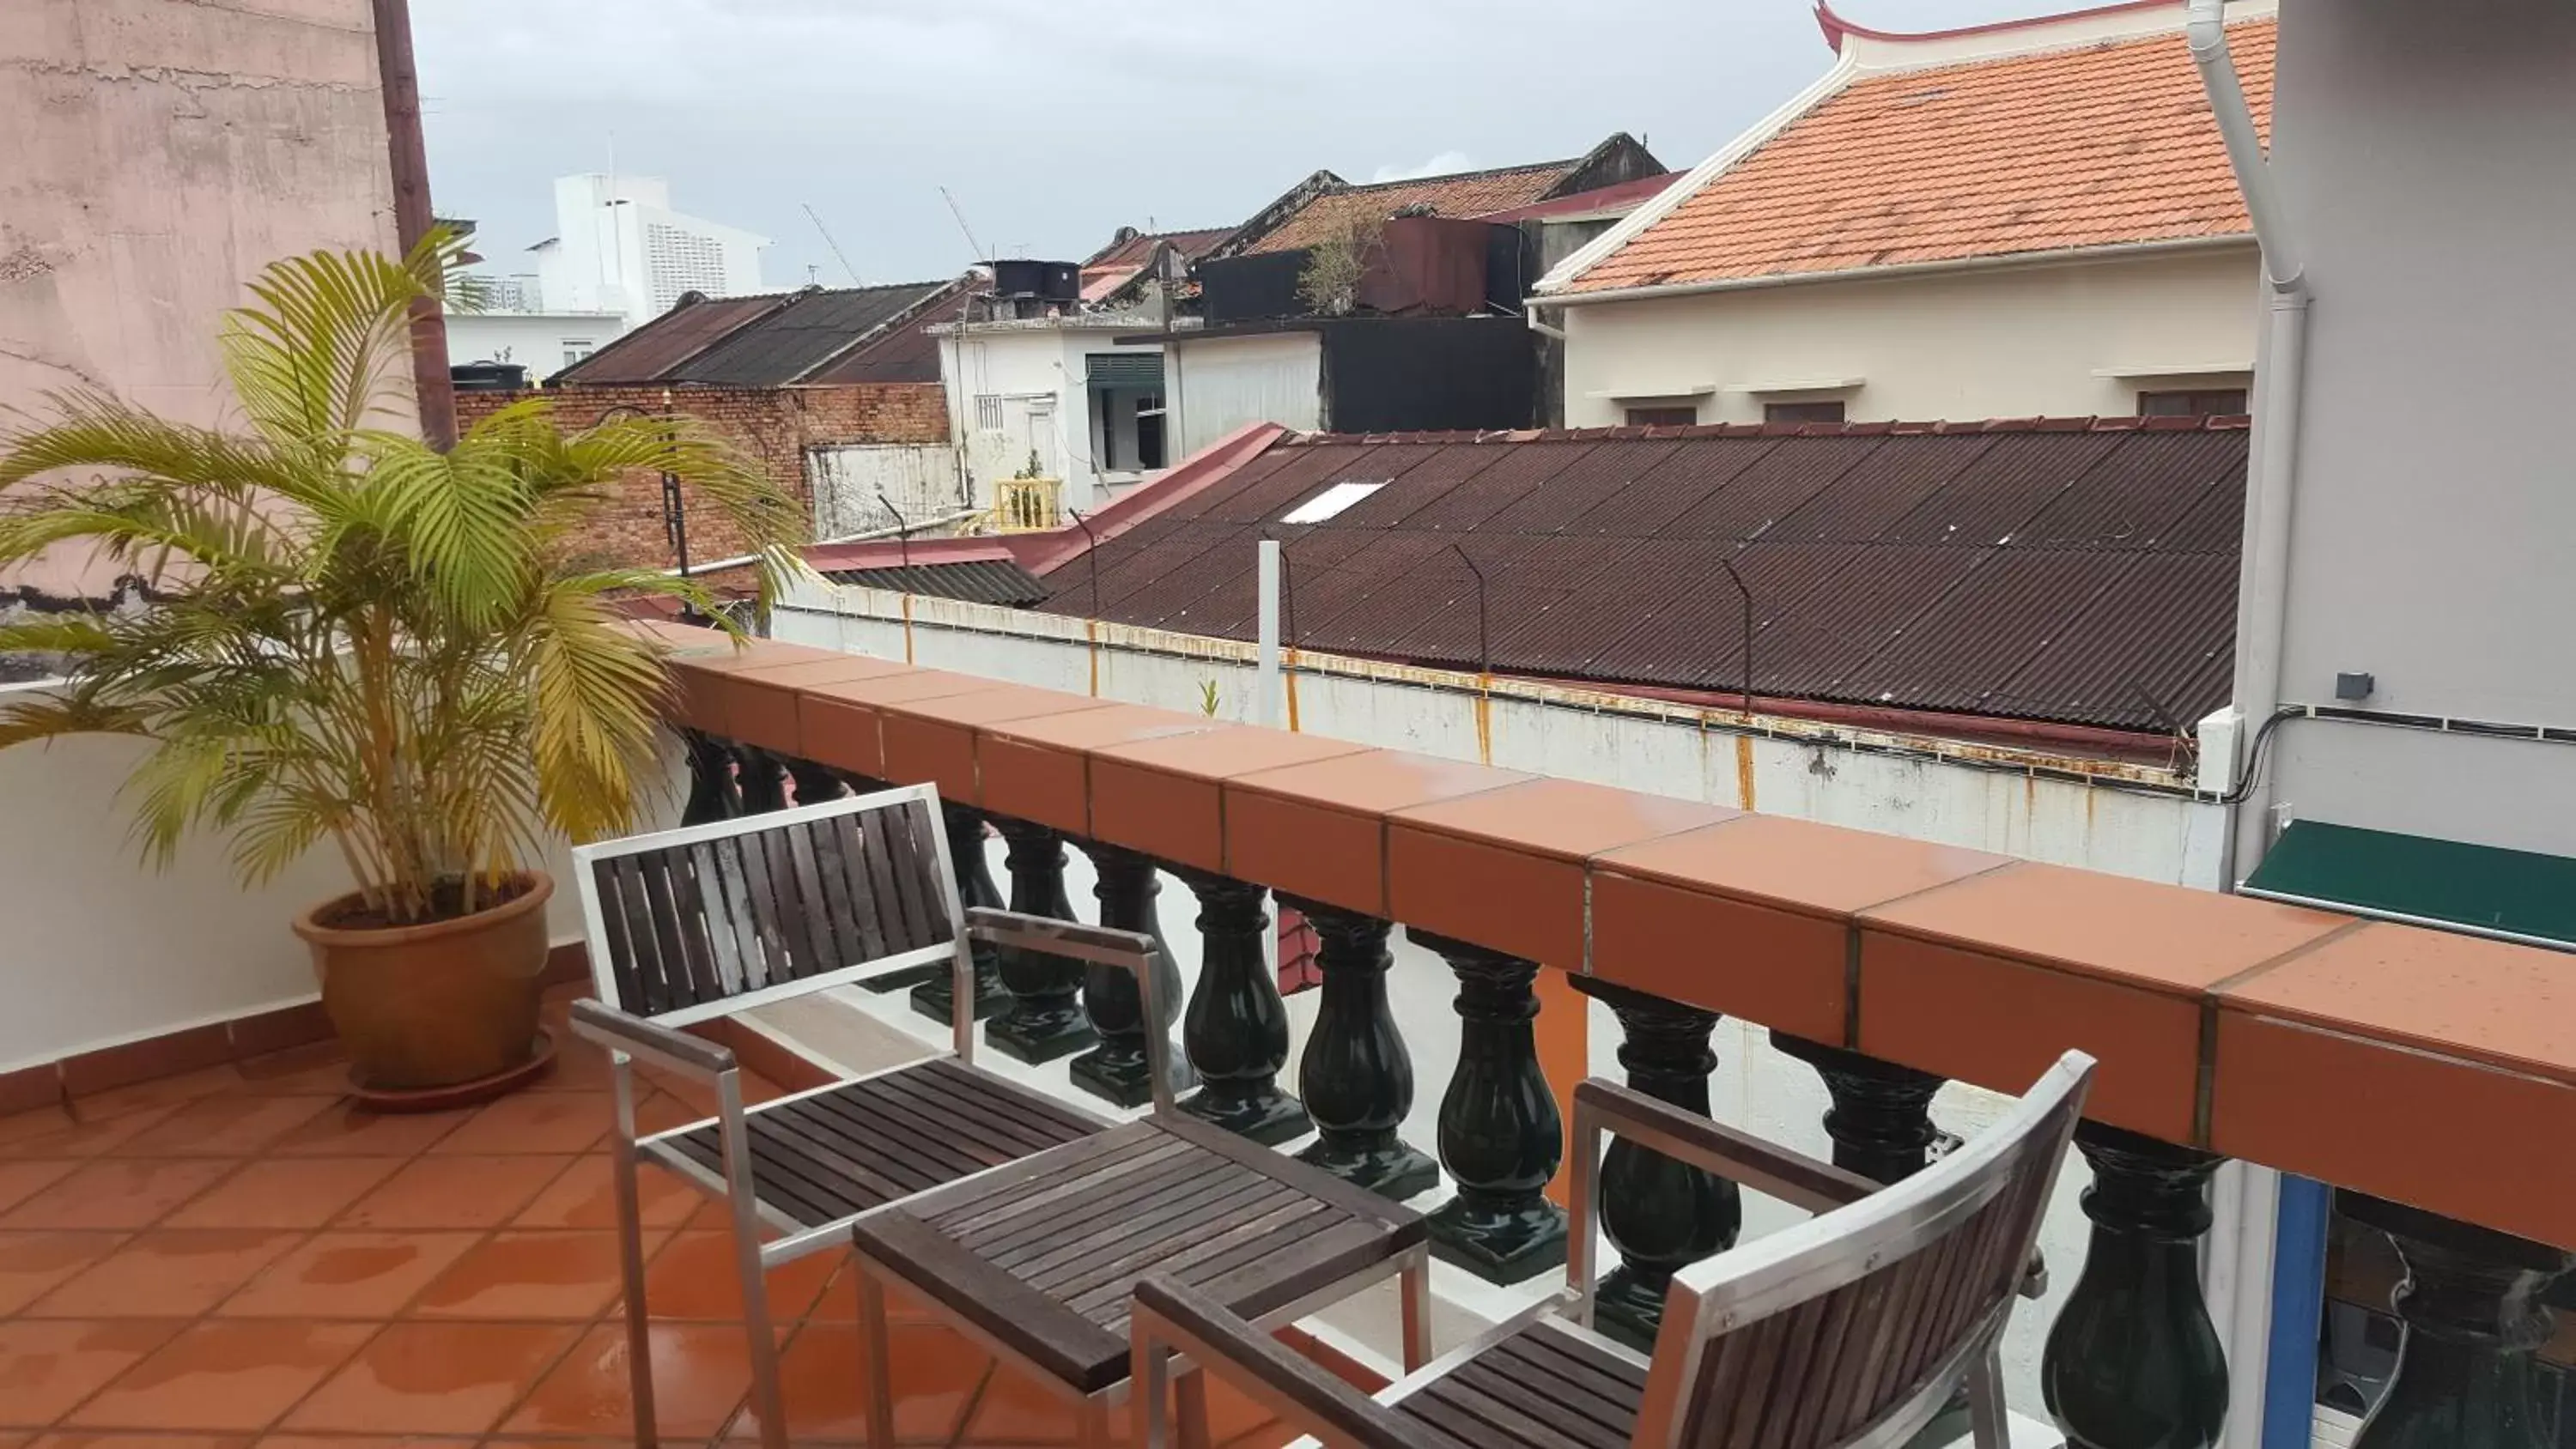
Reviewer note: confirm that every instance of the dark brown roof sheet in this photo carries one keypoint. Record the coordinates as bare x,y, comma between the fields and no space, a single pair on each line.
647,354
813,329
2075,571
982,581
905,352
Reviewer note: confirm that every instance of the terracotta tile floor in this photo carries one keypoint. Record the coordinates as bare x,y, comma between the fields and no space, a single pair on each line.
241,1257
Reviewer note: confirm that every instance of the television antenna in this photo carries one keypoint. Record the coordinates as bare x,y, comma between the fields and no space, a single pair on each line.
835,246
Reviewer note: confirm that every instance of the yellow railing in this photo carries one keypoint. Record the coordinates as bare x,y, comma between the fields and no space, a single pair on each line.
1027,505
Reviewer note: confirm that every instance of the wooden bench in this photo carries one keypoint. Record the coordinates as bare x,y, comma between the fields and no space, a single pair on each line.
688,925
1848,1331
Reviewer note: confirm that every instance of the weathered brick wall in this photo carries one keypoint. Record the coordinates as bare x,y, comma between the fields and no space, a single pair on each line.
771,426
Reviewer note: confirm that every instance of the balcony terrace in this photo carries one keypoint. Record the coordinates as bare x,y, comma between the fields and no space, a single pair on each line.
235,1253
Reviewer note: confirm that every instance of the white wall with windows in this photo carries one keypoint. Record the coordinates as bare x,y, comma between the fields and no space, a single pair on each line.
542,342
1026,396
2097,338
620,247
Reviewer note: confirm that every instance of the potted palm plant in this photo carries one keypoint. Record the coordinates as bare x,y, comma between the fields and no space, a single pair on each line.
356,642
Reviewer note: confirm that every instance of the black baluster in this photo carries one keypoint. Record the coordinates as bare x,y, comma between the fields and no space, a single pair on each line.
1355,1076
2133,1362
1500,1135
712,796
1660,1215
1126,884
1881,1119
1236,1029
936,997
1881,1126
2474,1305
909,977
1044,1020
814,783
763,780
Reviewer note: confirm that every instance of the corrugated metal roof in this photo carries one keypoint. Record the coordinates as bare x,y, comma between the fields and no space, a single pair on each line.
980,581
2079,572
810,330
647,354
905,353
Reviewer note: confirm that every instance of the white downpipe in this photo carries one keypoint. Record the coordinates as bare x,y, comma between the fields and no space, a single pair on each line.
2237,1273
2263,608
1266,698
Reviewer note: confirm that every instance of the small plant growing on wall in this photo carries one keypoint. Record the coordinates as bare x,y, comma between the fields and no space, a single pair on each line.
1208,700
1330,284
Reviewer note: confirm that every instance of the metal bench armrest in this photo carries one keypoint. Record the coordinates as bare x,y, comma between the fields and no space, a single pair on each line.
1099,944
1168,1317
648,1041
1129,951
1747,1161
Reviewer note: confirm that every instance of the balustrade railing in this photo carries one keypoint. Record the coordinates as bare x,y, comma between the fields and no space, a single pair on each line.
2132,1360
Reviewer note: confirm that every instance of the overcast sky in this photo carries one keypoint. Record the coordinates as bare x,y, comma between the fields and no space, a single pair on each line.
1053,124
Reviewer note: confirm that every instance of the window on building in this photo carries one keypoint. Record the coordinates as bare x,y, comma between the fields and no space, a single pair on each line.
1829,410
2192,402
988,413
577,348
1667,417
1149,431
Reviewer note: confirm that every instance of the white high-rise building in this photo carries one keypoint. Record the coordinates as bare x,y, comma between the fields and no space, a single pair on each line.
619,248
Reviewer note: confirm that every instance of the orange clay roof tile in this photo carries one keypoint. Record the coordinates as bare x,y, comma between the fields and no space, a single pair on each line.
1473,194
2098,146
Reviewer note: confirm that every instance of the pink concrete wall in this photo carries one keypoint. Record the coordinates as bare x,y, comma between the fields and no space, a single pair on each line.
157,154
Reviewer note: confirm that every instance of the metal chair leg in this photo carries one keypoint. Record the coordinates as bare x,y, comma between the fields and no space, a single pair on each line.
765,1393
630,1263
1414,1286
1191,1390
872,1324
1094,1415
1987,1427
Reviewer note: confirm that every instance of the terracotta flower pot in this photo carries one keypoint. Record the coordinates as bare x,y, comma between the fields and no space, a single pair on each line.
438,1004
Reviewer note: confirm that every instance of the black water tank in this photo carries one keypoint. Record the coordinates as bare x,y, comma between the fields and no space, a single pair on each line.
1046,281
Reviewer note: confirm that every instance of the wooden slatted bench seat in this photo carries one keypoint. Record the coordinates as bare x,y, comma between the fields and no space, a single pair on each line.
688,925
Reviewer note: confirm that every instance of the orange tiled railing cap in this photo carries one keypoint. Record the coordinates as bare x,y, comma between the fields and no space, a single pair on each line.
2408,1063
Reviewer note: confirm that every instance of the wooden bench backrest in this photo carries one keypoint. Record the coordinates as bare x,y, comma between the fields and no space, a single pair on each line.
708,919
1853,1328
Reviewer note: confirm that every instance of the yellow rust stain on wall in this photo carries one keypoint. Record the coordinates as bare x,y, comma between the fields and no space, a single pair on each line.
1288,685
1744,771
1485,719
907,629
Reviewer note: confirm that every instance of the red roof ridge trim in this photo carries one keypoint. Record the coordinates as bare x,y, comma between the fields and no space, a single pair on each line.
2222,423
1835,27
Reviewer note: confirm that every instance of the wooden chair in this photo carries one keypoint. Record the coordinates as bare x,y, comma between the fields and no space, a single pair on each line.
1849,1331
1038,1261
689,925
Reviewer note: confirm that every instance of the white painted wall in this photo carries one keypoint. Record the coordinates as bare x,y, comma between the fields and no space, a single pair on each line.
542,342
1036,377
2425,165
100,949
2070,339
1221,383
854,484
2140,827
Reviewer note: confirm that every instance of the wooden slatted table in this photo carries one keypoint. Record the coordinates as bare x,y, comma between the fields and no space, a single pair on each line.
1039,1258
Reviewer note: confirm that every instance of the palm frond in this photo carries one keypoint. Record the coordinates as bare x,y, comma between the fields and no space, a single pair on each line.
357,638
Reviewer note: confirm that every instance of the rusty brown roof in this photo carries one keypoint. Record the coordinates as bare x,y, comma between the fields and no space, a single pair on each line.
2077,571
650,352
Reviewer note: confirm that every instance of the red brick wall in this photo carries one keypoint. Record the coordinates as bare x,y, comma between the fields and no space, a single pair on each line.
772,426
